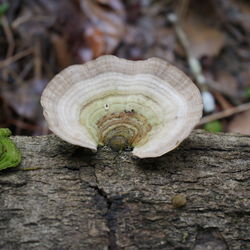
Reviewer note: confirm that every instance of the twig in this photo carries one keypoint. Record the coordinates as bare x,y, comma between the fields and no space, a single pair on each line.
9,36
194,64
225,113
61,50
37,60
182,10
20,20
24,125
222,101
16,57
26,69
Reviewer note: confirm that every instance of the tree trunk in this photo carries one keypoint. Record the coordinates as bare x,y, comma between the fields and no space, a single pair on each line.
66,197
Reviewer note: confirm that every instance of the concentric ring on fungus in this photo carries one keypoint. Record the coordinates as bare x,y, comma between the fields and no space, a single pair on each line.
149,105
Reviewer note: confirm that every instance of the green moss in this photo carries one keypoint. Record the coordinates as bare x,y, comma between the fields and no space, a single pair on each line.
247,93
3,8
214,126
10,156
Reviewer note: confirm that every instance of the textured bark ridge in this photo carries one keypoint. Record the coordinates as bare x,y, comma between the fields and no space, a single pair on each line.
65,197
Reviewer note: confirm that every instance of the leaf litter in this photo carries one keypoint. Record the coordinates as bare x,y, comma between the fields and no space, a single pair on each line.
40,38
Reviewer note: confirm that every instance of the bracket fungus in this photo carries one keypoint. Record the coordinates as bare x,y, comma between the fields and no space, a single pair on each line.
148,105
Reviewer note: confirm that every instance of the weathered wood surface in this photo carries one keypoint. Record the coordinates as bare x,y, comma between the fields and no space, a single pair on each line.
64,197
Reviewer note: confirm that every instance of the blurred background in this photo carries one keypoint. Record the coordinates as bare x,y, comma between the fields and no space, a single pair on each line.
208,40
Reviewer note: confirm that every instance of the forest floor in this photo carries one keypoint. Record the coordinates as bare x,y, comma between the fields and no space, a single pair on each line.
40,38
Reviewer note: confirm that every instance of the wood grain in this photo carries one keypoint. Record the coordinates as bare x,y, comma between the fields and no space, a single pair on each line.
65,197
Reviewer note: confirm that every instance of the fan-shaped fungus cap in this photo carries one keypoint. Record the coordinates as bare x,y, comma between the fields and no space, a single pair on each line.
149,105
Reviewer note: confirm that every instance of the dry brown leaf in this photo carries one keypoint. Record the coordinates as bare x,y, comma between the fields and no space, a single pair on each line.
88,29
95,40
204,40
240,123
227,81
108,24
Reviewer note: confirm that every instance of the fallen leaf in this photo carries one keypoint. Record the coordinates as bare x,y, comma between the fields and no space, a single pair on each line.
204,40
95,40
108,24
227,81
240,123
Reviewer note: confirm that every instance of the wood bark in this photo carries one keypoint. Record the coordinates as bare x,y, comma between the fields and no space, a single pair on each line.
66,197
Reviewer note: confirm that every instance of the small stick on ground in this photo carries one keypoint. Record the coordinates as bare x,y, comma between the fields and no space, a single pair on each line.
16,57
9,36
225,113
37,60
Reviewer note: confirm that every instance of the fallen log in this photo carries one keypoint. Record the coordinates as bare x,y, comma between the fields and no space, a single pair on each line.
66,197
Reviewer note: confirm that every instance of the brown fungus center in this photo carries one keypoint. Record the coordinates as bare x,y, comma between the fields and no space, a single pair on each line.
122,130
117,143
